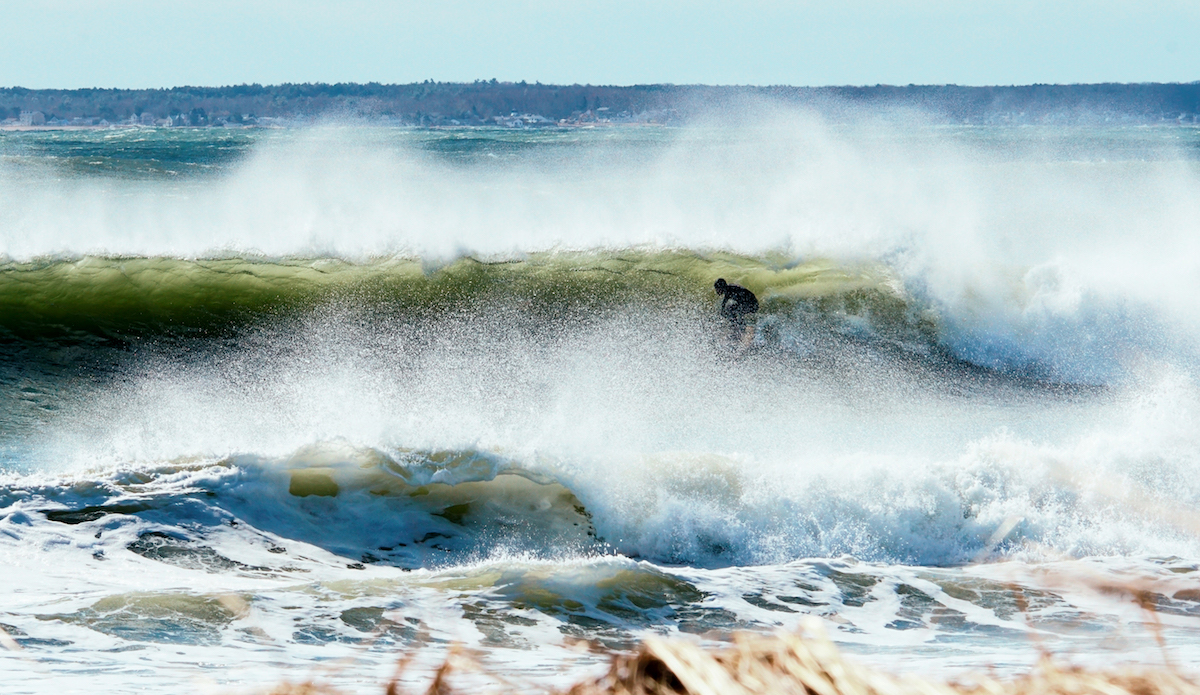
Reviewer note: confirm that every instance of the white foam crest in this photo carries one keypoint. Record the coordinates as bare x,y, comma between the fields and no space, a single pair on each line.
1119,481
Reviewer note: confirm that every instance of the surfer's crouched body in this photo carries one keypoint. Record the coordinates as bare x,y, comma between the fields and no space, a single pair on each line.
736,303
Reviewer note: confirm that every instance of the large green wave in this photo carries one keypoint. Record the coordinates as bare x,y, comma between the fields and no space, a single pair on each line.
128,297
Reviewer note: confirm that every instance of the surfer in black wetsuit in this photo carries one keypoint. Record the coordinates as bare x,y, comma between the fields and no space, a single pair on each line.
736,304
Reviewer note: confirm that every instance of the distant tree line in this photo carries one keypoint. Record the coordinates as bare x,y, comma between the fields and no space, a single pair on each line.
439,103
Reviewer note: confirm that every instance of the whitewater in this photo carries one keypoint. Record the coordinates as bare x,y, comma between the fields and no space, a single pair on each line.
279,404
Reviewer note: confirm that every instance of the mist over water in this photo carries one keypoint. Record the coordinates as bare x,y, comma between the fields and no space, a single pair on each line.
341,369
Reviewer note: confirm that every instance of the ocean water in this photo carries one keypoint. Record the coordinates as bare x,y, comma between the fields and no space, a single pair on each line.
280,404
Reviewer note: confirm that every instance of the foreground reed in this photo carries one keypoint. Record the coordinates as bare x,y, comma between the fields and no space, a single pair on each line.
793,665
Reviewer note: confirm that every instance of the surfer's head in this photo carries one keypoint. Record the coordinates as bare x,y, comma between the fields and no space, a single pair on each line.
720,285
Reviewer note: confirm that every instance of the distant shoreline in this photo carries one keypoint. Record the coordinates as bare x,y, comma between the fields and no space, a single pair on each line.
127,126
88,128
507,104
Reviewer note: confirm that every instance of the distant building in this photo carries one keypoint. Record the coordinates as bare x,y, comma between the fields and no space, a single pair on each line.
33,118
147,118
524,120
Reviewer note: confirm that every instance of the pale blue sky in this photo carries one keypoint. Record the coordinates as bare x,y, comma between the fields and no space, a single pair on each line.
164,43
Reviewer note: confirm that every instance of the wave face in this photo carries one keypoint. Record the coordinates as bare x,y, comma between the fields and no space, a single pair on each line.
131,298
280,395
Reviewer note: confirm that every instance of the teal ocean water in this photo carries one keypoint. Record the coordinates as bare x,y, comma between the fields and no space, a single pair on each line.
289,403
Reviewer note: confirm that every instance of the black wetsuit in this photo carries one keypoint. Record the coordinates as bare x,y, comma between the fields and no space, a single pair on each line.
737,303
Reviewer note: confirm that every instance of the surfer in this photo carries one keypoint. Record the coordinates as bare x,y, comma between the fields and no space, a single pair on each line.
737,303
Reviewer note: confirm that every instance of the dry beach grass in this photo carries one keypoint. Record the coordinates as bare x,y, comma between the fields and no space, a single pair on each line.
789,664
